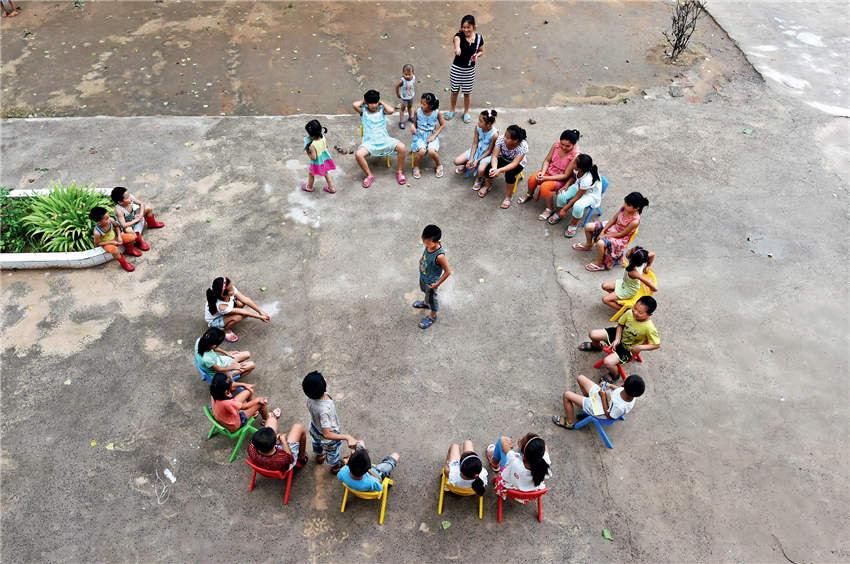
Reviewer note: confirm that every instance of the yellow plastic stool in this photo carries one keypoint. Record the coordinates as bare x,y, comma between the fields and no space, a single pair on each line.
518,178
388,155
642,291
445,486
382,495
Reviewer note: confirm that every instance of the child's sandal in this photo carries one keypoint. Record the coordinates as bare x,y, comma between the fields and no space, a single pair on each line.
557,420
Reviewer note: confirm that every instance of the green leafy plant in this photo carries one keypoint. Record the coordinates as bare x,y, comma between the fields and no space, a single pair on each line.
59,220
14,236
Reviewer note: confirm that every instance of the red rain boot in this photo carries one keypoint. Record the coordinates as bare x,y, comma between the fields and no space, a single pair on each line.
152,222
130,249
127,266
142,245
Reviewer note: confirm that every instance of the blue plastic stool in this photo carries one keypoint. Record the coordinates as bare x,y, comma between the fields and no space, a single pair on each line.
206,377
599,423
590,211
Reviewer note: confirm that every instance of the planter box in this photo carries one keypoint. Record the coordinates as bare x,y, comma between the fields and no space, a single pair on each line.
79,259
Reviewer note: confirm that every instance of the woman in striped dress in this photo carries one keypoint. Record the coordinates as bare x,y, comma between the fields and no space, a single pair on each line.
468,48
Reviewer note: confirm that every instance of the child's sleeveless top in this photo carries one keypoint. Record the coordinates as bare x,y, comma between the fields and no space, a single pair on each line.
407,88
107,235
429,270
484,138
321,148
375,137
426,123
559,164
128,215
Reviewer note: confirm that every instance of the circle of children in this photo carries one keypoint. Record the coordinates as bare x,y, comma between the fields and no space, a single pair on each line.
570,186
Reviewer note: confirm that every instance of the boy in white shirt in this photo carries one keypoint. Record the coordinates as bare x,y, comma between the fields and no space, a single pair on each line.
615,401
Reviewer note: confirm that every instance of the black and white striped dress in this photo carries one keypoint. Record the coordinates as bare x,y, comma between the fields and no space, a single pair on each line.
462,76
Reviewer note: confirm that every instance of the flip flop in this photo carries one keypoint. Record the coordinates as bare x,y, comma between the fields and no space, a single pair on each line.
328,190
401,179
486,191
556,419
419,304
544,215
553,219
368,181
466,118
427,322
523,199
276,413
570,231
231,337
506,203
588,346
416,173
401,125
410,119
494,466
460,169
304,187
593,267
580,247
448,115
476,186
440,172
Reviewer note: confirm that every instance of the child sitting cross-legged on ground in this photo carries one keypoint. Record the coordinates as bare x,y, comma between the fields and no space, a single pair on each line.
524,470
233,411
360,475
635,332
464,470
324,423
278,451
615,401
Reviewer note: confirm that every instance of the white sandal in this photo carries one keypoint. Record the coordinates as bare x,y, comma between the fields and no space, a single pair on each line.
523,199
545,215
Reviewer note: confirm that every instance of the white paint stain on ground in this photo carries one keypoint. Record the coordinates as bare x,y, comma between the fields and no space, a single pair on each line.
810,39
789,81
272,308
294,164
766,48
303,208
832,110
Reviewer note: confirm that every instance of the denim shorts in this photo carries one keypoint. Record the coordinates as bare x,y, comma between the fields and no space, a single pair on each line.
216,322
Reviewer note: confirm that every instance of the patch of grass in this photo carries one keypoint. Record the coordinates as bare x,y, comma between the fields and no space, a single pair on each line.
14,236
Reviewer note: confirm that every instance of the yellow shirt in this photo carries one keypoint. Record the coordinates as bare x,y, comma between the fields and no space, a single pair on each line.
637,332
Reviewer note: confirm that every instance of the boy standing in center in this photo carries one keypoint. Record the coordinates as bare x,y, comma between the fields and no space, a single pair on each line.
433,271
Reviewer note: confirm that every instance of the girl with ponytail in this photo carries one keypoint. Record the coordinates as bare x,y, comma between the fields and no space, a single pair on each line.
226,306
465,470
610,238
584,191
524,470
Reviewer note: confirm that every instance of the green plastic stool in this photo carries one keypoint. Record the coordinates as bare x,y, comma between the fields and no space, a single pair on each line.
238,435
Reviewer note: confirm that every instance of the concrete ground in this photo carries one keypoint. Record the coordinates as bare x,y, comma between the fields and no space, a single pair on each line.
737,452
237,58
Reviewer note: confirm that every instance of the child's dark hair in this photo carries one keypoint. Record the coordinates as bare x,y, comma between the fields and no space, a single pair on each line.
264,439
220,386
216,292
359,462
212,338
533,452
468,19
432,232
636,200
431,100
470,466
571,135
315,129
117,194
516,132
97,213
584,162
314,385
489,116
407,67
372,97
649,303
639,256
634,386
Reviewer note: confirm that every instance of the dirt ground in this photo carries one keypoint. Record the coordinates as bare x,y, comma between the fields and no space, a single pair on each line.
236,58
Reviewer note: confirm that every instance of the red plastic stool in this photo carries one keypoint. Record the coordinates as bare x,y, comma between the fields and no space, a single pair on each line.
528,496
609,350
274,474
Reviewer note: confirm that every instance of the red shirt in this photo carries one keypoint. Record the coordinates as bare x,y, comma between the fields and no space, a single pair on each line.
280,460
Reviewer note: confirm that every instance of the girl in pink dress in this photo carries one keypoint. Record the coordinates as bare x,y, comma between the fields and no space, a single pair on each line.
612,237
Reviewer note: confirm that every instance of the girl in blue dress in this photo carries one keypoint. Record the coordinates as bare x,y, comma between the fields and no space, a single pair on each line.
483,139
376,141
426,128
